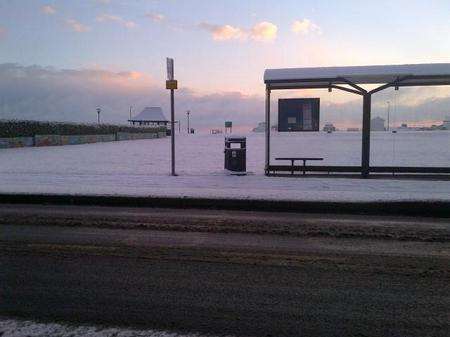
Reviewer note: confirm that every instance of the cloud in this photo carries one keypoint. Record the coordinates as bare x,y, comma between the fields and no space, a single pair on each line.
117,19
263,32
225,32
155,17
104,1
48,10
76,26
305,27
41,93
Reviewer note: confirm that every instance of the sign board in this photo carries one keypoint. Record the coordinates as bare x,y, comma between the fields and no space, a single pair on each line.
228,124
170,74
298,114
173,84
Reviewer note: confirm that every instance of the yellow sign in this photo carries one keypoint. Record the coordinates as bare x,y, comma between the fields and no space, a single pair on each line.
172,84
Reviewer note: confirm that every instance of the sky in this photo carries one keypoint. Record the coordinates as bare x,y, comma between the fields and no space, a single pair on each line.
112,53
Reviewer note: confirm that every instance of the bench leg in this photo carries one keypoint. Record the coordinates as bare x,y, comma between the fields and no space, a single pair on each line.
304,167
292,167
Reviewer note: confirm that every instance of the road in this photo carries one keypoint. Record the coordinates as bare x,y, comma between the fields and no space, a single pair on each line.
224,272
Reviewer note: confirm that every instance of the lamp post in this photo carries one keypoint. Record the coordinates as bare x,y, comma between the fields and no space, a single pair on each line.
98,115
388,114
188,127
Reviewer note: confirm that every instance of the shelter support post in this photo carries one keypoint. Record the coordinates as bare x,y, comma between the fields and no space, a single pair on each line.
267,132
365,153
172,130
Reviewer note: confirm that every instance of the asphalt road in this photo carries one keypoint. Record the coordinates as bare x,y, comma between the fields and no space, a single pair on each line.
344,282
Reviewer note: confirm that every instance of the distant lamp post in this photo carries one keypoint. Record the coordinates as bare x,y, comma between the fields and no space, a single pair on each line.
388,114
98,115
188,127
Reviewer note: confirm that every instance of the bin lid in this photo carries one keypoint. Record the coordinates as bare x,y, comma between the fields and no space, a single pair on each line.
235,139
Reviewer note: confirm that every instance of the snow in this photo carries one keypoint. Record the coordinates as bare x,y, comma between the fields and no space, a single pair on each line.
358,74
20,328
141,167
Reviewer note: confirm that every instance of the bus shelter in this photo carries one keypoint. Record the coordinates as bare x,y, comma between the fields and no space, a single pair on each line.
350,79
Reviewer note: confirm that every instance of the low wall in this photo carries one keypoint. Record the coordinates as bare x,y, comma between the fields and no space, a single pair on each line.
16,142
55,140
47,140
86,139
134,136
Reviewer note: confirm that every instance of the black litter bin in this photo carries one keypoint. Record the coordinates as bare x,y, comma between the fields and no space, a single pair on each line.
235,154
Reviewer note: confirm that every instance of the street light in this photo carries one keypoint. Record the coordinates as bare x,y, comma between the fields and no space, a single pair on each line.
188,113
98,115
388,113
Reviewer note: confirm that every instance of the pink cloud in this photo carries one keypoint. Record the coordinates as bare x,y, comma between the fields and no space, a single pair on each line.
76,26
262,32
48,10
117,19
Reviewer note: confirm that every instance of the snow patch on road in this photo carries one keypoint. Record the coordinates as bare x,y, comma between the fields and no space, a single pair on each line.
16,328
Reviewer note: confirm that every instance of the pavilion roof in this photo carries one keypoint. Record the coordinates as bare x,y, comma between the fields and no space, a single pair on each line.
150,114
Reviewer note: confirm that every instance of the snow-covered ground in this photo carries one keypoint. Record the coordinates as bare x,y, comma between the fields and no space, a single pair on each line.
141,167
16,328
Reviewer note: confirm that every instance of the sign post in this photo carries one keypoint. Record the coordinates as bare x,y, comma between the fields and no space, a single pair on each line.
172,84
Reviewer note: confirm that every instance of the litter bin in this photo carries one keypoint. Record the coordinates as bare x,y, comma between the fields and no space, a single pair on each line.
235,154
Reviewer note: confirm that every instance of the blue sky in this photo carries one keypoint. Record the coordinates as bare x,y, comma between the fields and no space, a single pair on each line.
221,46
349,32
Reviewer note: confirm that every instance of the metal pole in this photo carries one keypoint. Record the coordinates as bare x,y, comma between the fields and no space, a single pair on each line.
172,128
267,164
389,112
365,153
188,127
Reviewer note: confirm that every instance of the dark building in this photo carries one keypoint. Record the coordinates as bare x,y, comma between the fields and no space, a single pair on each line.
298,114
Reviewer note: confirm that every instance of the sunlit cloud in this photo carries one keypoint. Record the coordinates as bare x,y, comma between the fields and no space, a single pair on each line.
263,32
305,27
117,19
76,26
225,32
132,75
156,17
48,10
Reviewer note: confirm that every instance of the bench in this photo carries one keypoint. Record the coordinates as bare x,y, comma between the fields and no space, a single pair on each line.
293,159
